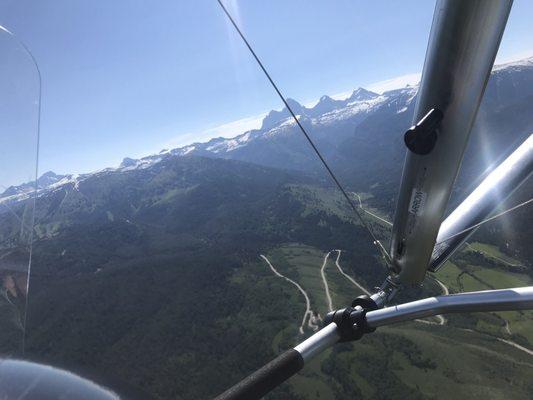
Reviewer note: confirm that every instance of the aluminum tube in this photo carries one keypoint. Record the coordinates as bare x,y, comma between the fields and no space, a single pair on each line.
488,300
319,342
463,43
491,192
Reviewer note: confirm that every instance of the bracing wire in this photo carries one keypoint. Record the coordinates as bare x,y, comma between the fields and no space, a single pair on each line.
302,129
485,221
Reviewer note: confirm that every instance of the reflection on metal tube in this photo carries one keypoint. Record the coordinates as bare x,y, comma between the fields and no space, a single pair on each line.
488,300
493,190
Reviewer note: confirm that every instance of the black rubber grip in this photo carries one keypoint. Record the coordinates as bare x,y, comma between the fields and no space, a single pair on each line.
265,379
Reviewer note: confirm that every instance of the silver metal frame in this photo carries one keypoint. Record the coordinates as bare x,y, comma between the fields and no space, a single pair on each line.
320,341
492,191
464,40
487,300
483,301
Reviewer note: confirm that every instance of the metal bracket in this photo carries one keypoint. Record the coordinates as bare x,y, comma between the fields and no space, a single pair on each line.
422,137
351,321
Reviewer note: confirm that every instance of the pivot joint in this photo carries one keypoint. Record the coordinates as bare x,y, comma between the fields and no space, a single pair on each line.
351,321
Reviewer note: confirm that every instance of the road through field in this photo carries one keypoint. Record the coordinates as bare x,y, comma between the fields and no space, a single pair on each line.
369,212
357,284
308,311
324,280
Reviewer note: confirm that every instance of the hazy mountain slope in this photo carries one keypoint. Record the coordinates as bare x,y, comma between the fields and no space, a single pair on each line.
139,273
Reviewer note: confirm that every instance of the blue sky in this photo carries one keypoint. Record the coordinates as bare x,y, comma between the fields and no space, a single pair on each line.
129,78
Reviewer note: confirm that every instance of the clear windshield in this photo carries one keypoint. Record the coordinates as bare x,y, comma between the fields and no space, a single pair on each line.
19,124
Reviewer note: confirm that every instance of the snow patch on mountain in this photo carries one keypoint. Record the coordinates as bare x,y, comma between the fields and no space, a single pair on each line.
186,150
227,145
514,65
46,183
352,109
63,181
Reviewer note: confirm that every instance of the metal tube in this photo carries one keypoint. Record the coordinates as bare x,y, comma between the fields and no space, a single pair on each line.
464,40
493,190
488,300
319,342
329,335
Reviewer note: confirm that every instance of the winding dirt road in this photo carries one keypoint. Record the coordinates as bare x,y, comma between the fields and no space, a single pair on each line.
369,212
357,284
308,312
507,328
444,288
516,345
446,292
324,280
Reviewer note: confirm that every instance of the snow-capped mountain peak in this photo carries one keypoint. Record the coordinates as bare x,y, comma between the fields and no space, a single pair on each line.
361,94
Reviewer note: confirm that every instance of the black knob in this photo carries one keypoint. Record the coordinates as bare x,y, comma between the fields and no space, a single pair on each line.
422,137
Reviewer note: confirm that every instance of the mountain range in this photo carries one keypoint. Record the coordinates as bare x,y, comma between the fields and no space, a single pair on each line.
361,135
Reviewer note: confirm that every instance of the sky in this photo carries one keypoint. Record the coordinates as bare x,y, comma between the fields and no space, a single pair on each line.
130,78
